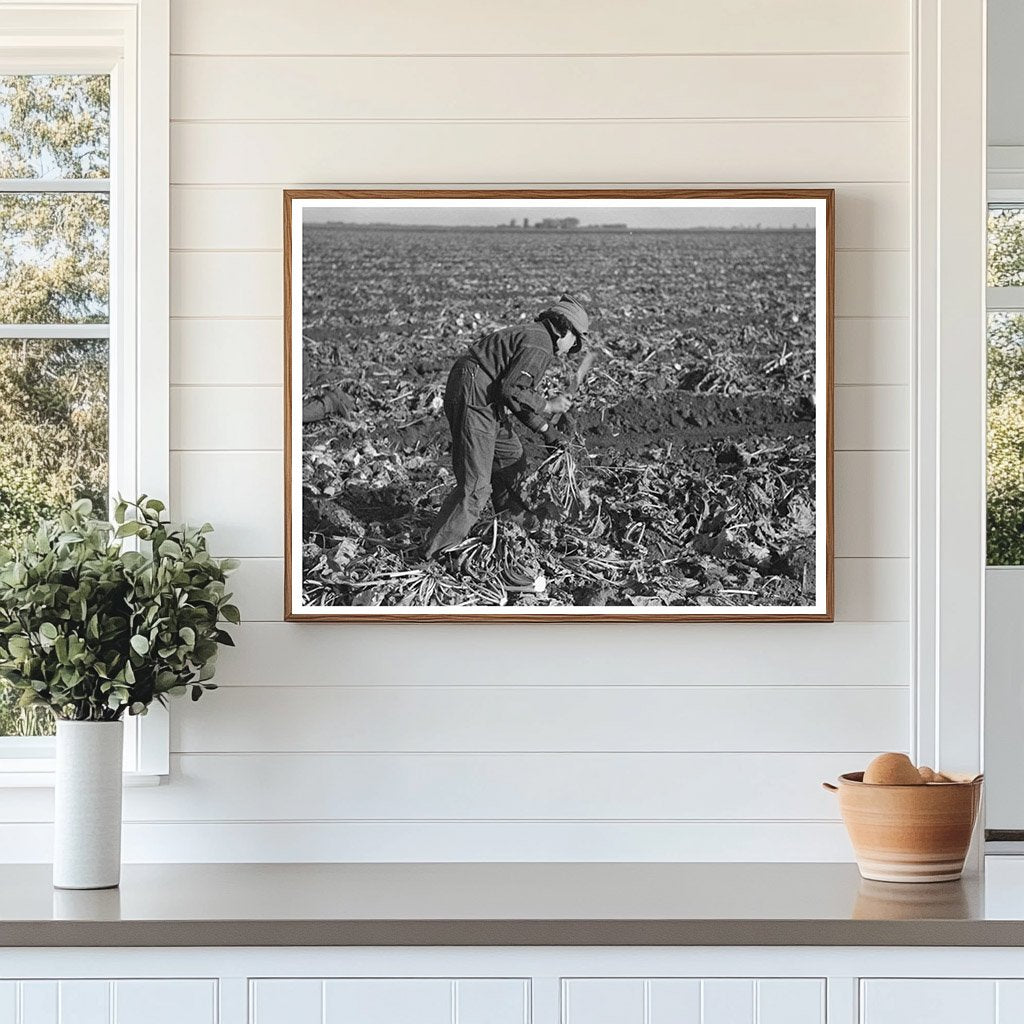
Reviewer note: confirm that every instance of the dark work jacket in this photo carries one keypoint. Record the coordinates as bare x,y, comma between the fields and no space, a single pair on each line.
515,359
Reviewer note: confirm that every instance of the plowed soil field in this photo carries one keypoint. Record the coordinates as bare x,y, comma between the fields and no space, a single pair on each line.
691,480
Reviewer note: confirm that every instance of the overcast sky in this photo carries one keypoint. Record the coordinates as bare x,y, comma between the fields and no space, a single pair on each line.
633,216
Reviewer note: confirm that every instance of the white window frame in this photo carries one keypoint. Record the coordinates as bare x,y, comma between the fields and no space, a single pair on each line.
1005,804
130,41
948,466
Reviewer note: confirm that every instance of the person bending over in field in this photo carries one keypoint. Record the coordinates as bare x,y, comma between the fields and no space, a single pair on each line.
497,378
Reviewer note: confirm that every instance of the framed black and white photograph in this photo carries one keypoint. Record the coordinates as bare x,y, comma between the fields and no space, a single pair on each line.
558,405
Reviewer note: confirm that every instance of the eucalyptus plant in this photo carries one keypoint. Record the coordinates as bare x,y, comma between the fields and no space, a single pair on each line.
98,619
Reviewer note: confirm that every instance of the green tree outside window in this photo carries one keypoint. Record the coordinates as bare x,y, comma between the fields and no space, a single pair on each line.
54,275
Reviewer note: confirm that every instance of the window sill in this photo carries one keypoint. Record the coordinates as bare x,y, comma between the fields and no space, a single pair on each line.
38,773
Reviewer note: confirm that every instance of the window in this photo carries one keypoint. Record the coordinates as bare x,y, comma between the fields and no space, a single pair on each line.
1005,478
84,125
54,309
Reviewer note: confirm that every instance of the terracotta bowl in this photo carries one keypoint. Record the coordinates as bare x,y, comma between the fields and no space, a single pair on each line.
909,833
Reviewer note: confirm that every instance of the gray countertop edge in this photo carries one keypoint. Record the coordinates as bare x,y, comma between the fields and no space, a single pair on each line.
510,933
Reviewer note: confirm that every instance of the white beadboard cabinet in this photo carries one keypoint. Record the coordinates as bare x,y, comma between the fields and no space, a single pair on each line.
696,1000
942,1001
109,1001
389,1001
513,985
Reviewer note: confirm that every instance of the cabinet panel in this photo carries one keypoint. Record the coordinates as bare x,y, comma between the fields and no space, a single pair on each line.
490,1001
790,1001
603,1001
285,1001
103,1001
1010,1002
165,1002
693,1001
674,1000
928,1001
38,1002
389,1001
728,1001
84,1002
8,1002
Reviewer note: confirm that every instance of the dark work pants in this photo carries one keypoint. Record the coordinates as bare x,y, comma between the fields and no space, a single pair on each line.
486,455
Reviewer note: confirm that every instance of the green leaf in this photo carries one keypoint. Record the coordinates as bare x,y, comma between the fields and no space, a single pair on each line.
231,613
49,631
205,650
18,646
170,549
140,644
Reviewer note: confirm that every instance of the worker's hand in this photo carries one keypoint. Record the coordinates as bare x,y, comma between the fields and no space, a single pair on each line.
554,438
559,404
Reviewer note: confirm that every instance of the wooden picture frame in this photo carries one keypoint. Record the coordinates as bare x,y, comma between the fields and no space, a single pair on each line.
367,212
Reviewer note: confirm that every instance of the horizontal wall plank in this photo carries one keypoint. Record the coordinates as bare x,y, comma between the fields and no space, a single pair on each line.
241,418
231,284
533,26
241,494
209,217
872,418
872,590
236,284
227,352
630,719
536,87
530,152
458,842
871,350
867,589
244,787
872,504
873,283
258,586
671,654
238,418
868,216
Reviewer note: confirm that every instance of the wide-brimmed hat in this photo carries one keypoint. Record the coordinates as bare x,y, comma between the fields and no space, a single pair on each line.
571,309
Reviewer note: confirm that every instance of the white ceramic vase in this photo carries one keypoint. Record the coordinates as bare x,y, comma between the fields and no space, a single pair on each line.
87,807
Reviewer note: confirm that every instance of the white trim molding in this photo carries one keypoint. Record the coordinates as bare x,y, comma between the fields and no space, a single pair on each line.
1005,173
950,216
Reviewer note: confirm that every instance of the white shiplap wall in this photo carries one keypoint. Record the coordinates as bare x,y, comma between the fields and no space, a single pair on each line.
688,741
